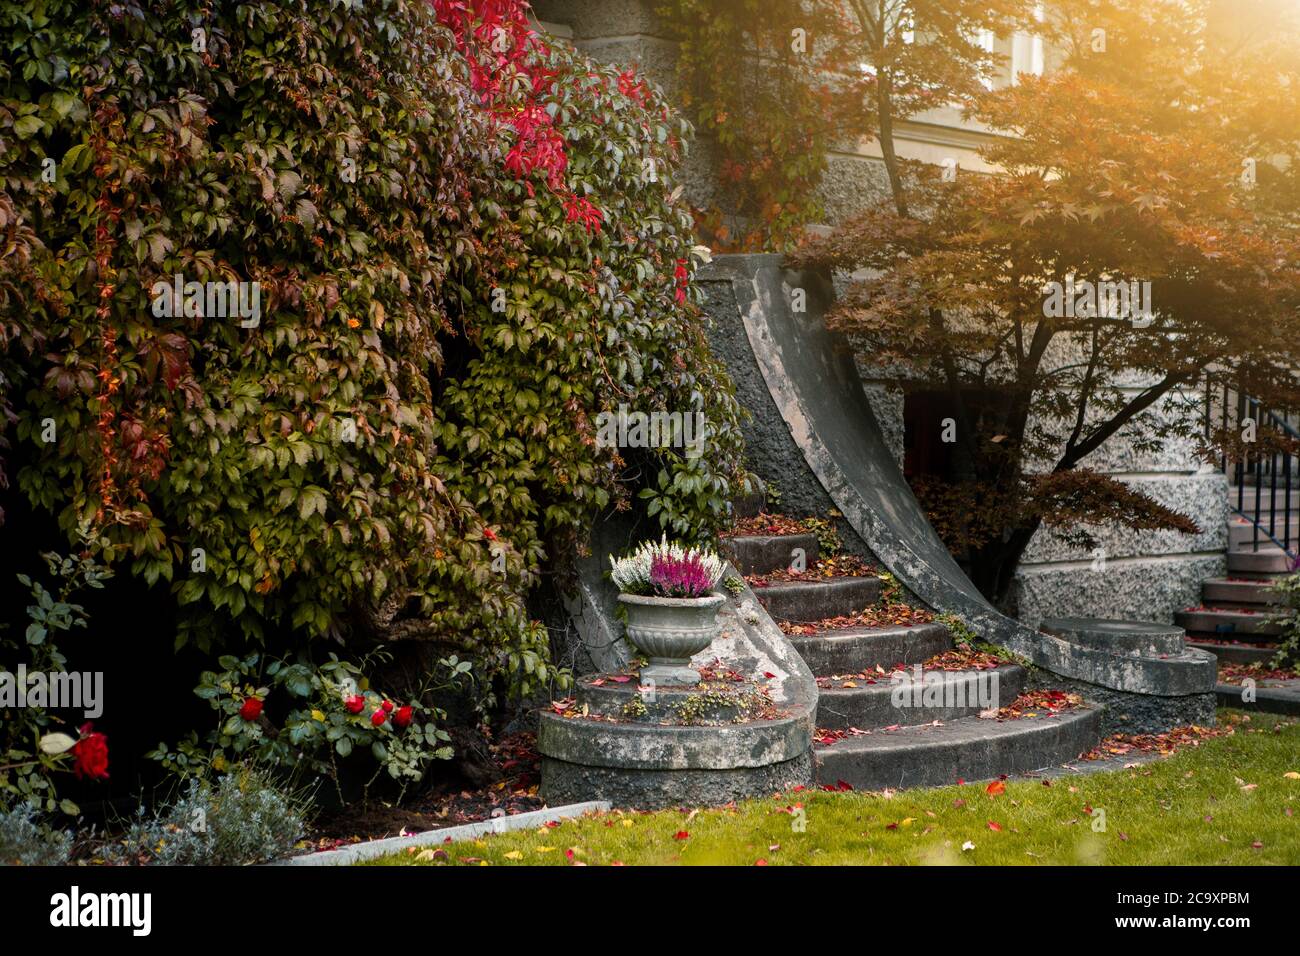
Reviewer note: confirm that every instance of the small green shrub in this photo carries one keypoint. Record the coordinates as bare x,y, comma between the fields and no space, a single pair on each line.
1286,594
241,820
25,840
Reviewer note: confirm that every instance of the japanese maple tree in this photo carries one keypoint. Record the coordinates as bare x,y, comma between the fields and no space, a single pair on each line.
1126,164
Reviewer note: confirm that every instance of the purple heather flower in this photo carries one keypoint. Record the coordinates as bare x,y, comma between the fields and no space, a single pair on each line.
679,577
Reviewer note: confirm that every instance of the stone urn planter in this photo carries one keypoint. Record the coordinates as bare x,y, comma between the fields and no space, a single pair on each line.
670,631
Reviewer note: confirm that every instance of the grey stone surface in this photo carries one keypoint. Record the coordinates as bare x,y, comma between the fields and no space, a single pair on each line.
373,849
601,18
1201,497
1134,713
1154,589
850,650
886,403
851,184
658,789
761,554
631,745
875,705
1269,697
934,756
771,453
632,702
1235,653
1122,637
815,600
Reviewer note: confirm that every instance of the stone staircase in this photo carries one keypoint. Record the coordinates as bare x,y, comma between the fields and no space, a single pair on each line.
1232,619
865,739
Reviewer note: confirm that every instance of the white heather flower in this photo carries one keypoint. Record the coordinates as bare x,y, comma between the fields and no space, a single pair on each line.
631,574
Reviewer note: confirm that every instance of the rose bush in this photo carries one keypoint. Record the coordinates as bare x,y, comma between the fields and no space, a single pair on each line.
32,750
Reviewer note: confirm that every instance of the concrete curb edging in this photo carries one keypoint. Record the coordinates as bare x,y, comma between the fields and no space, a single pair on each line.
359,852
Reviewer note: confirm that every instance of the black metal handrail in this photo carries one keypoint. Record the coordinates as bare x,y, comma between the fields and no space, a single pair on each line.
1274,520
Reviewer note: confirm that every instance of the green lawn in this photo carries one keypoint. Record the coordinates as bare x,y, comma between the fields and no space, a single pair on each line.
1227,801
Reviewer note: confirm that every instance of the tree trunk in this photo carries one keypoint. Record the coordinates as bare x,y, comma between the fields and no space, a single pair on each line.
885,117
993,566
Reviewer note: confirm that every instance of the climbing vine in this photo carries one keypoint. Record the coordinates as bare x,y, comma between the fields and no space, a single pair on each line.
461,264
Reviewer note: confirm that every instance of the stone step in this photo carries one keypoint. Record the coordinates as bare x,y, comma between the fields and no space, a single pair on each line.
1272,561
1241,534
1225,624
629,701
1227,592
765,553
1235,653
853,649
1271,697
808,601
1130,638
968,749
952,695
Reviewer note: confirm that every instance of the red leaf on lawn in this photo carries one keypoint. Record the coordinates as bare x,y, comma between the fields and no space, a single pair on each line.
760,862
995,788
995,826
681,835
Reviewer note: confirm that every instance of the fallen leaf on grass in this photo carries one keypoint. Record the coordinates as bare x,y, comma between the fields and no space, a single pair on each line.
995,788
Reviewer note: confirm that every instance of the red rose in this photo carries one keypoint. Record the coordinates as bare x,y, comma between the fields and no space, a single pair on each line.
388,706
378,718
91,755
355,704
403,716
252,708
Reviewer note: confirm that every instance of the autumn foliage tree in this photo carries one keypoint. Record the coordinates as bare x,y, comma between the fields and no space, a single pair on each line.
818,75
1126,164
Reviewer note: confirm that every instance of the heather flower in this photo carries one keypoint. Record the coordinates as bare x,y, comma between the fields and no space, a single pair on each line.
633,574
684,577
